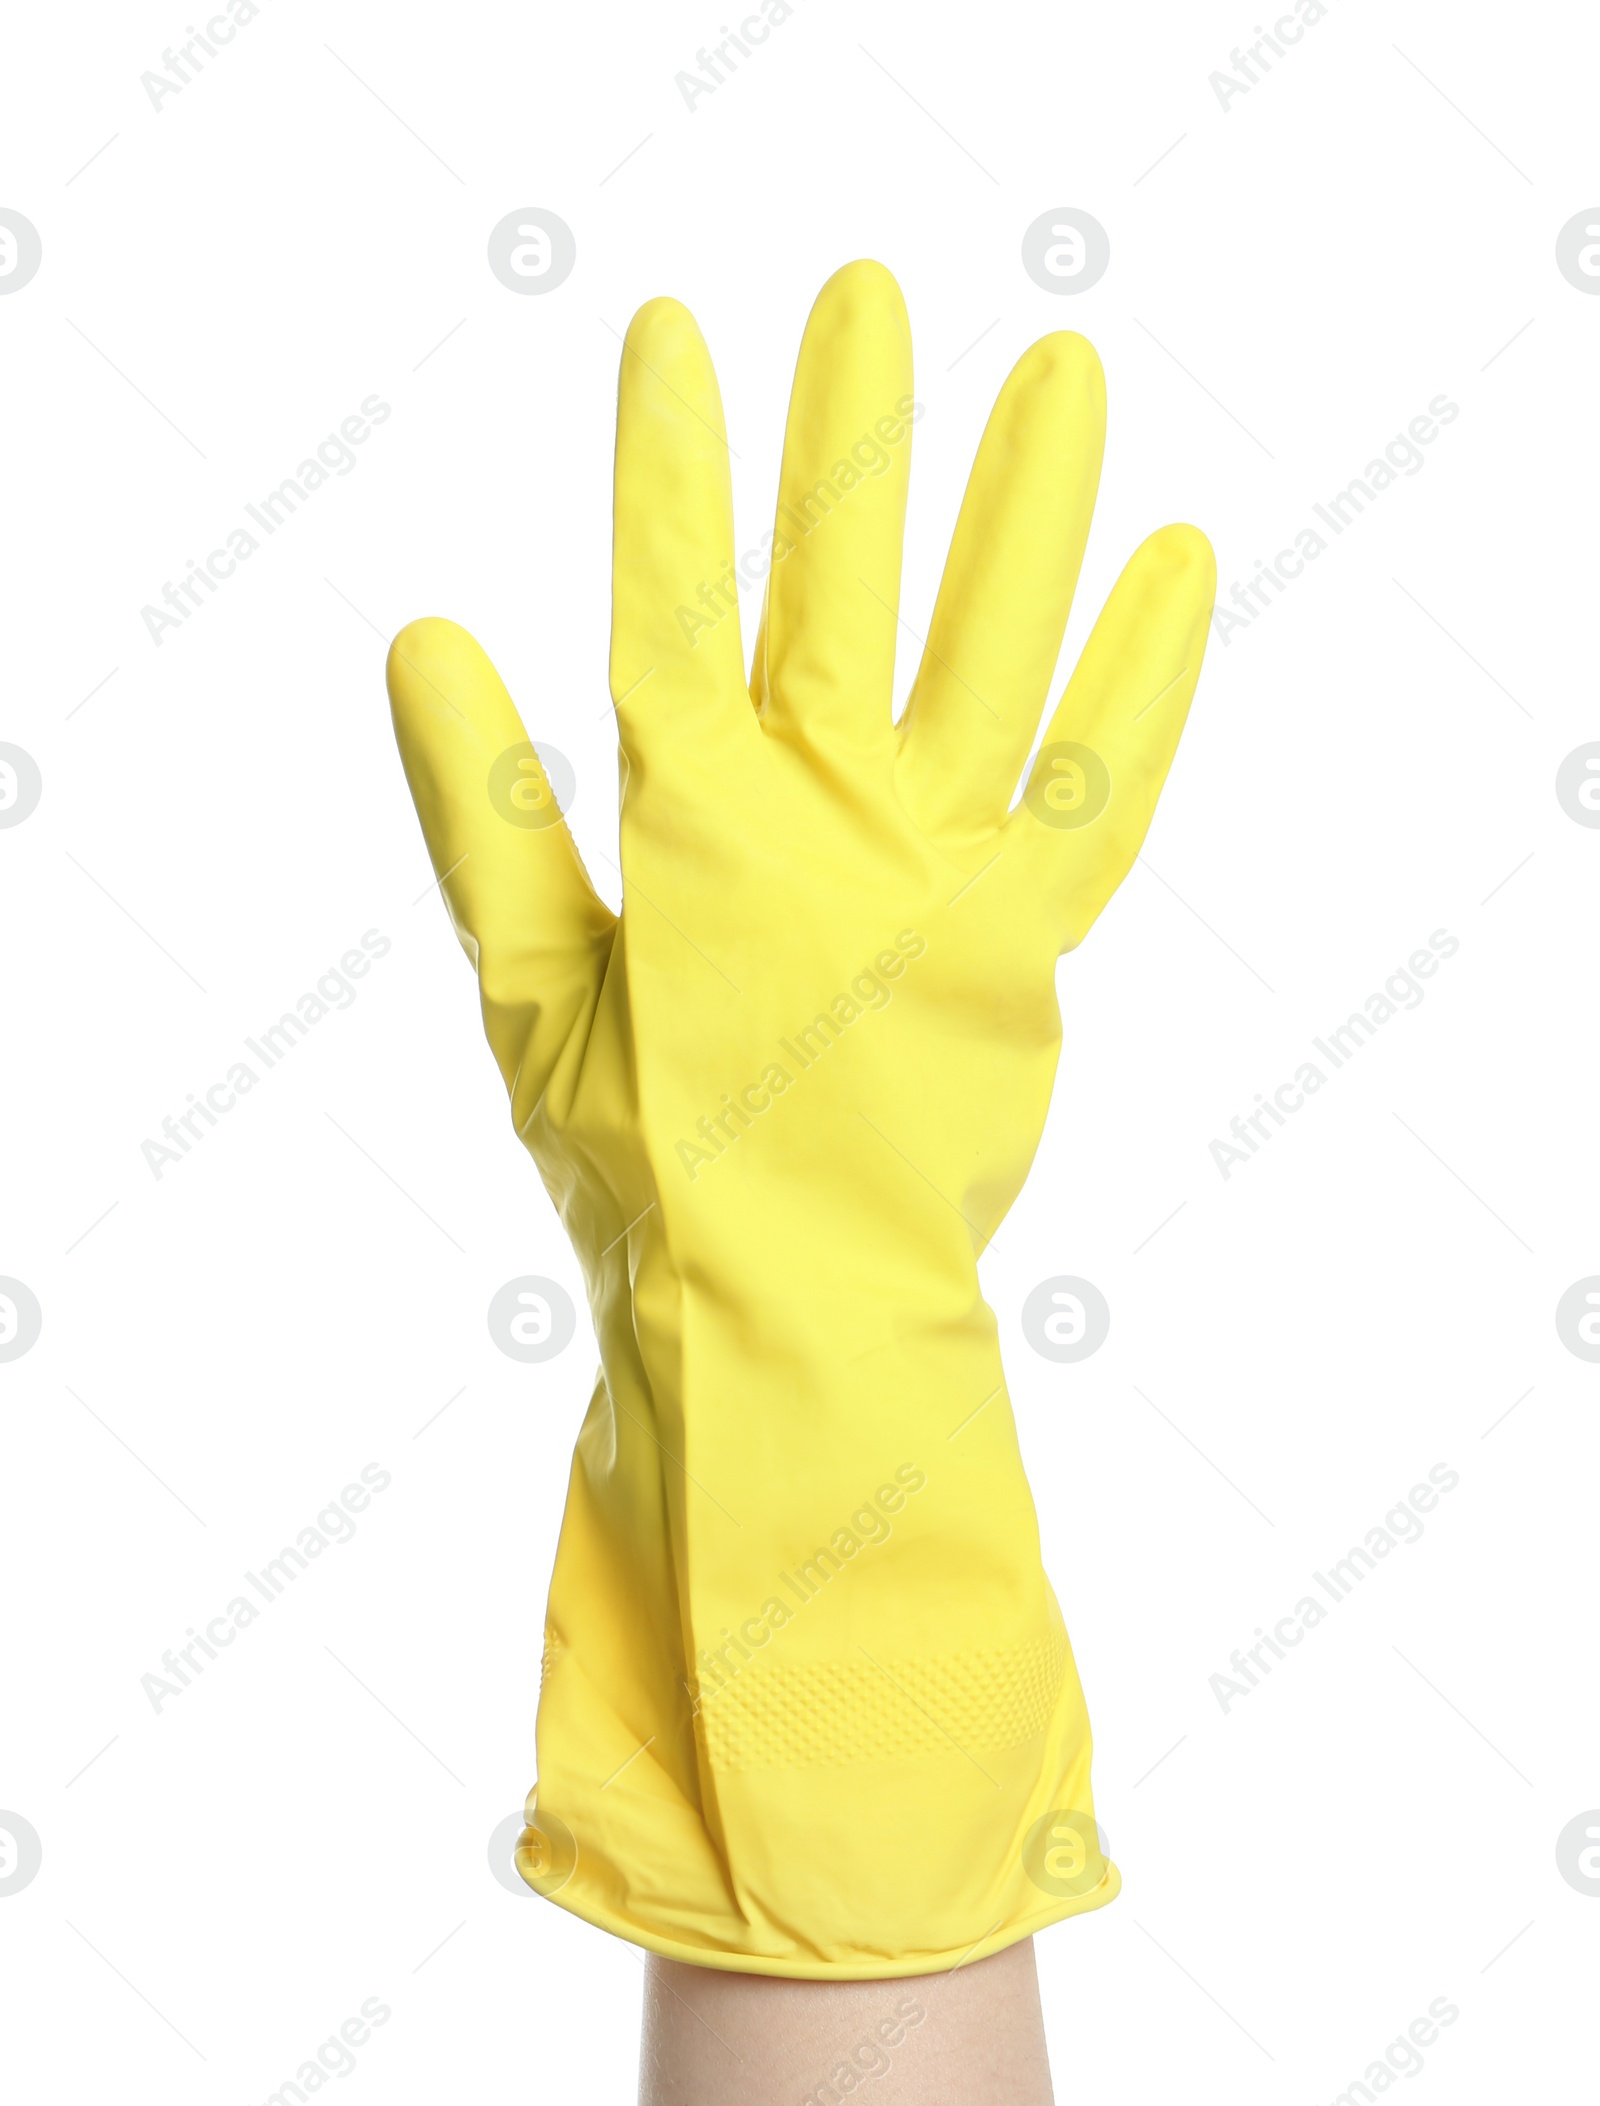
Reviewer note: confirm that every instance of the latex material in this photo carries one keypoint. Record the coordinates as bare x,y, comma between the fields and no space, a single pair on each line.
808,1705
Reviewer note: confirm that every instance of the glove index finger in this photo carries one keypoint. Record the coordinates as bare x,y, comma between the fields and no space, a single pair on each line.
677,663
508,870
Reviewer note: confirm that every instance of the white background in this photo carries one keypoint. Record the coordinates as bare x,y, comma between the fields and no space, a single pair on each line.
1368,227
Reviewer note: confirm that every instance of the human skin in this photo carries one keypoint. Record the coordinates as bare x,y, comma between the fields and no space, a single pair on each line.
719,2039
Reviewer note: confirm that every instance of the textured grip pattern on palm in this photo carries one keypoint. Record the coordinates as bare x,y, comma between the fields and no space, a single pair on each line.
844,1711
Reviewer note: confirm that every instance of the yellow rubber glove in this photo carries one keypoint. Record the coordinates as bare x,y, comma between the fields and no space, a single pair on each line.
808,1705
